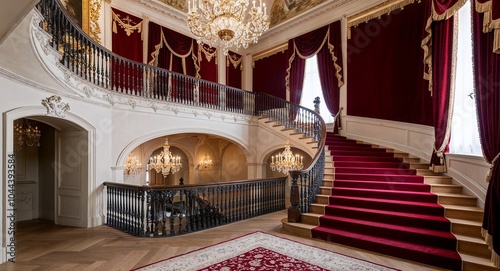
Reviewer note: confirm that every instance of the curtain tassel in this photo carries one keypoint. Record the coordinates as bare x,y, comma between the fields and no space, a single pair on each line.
490,171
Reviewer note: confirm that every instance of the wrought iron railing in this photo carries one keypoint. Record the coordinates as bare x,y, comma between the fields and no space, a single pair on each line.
162,211
101,67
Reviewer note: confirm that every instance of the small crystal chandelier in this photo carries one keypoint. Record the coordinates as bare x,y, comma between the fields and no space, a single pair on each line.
206,162
165,162
226,22
132,165
25,134
286,160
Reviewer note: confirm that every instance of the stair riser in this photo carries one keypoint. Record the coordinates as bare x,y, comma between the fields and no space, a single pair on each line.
389,218
383,185
464,214
445,189
467,230
396,234
423,197
365,159
382,178
361,153
317,209
310,220
371,164
389,171
457,201
437,180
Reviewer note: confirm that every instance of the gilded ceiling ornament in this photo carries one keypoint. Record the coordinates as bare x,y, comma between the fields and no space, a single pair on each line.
283,10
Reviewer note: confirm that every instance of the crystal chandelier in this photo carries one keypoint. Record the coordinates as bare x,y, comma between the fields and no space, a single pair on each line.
25,134
165,162
226,22
132,166
206,162
286,160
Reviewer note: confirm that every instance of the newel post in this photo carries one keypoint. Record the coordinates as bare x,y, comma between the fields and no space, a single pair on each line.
294,210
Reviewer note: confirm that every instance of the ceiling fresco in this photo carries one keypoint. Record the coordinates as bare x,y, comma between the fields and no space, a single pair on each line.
281,10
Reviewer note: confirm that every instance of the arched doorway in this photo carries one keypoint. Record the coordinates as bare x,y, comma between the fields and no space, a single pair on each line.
51,174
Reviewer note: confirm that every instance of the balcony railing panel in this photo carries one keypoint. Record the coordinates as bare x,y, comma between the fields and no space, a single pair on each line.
173,210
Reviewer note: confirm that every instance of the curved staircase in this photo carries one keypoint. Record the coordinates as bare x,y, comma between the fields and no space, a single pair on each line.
384,201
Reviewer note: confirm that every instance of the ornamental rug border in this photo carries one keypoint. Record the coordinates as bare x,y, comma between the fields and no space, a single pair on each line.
227,251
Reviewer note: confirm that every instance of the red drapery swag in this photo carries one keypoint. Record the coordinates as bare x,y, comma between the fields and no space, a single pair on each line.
269,75
326,43
487,97
207,61
438,44
127,41
234,67
491,20
172,51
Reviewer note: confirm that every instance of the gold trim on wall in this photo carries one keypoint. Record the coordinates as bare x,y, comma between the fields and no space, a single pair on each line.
91,11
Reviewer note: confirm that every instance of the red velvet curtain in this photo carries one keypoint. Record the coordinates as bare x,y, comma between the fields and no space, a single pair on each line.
126,42
207,61
234,67
384,61
487,97
330,70
269,75
438,44
326,43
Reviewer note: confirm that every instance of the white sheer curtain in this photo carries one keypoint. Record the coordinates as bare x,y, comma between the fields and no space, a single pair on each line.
312,89
464,131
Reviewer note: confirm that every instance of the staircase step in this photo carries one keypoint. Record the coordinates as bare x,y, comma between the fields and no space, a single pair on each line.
368,164
299,229
338,158
386,185
385,194
390,171
384,216
423,236
418,165
317,208
446,188
394,205
437,179
433,256
310,219
456,199
472,213
473,246
473,263
466,227
380,177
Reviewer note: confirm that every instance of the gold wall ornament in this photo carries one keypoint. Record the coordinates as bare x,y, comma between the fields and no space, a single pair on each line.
93,28
206,162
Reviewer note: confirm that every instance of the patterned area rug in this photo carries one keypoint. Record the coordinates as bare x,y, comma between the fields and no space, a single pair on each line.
261,251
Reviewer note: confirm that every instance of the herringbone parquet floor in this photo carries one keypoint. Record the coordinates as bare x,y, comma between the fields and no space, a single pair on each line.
41,245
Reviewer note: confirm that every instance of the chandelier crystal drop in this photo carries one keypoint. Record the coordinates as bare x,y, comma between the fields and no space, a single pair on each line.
227,23
132,165
286,160
25,134
165,162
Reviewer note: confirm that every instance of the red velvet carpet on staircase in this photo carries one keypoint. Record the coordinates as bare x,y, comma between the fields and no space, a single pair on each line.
381,205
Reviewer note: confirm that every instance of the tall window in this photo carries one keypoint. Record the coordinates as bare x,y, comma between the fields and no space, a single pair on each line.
464,130
312,89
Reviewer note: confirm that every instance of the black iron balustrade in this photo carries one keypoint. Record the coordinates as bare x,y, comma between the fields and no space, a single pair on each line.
162,211
101,67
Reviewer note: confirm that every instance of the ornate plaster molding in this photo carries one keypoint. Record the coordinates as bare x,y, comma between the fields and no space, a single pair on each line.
55,106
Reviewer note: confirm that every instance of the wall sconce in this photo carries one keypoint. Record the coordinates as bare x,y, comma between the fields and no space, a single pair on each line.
206,162
132,165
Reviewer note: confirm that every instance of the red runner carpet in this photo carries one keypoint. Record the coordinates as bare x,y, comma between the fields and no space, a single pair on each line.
379,204
263,252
